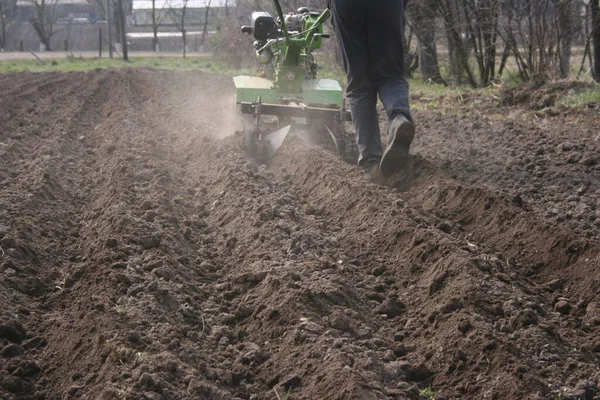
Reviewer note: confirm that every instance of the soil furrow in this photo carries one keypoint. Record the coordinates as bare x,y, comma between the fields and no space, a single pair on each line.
144,256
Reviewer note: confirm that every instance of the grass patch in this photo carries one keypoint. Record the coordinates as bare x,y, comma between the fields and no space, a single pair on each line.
581,98
71,64
427,393
433,97
424,96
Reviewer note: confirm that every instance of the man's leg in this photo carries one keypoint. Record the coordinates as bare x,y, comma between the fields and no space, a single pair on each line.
385,21
350,25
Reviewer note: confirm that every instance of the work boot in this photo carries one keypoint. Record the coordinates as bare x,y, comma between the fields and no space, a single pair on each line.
373,171
400,135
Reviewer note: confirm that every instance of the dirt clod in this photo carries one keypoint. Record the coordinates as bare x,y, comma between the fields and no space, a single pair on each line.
392,307
563,307
12,331
12,350
293,381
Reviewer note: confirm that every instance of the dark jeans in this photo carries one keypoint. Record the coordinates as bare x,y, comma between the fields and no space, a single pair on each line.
371,37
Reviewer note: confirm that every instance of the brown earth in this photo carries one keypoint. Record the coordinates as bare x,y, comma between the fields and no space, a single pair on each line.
144,256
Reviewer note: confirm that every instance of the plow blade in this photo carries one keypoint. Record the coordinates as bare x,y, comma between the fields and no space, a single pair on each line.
276,139
330,121
294,111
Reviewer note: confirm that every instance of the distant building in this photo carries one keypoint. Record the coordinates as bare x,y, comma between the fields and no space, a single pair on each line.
169,12
62,11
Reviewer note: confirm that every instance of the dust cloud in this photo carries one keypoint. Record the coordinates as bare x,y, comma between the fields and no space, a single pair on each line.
208,103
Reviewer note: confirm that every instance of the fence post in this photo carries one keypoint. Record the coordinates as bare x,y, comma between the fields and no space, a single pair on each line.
66,45
21,45
100,43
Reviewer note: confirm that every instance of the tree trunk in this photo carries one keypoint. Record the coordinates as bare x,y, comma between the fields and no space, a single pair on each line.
42,23
568,28
123,30
204,31
154,27
422,16
183,31
596,37
455,71
117,18
3,37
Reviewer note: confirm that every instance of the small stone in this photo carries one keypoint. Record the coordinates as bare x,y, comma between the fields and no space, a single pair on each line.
134,337
566,146
243,312
74,390
152,287
13,331
35,343
592,314
196,387
149,242
12,350
389,356
401,351
421,373
146,380
525,318
489,346
152,396
27,369
147,205
12,384
445,227
563,307
392,307
208,266
341,321
145,175
150,216
555,284
228,319
313,327
252,353
76,376
464,326
291,382
451,306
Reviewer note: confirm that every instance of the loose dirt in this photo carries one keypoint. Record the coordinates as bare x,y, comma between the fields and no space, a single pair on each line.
144,256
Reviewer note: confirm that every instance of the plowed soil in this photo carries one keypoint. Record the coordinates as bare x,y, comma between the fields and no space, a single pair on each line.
145,256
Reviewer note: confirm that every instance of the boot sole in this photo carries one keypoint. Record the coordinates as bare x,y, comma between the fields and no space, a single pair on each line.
396,154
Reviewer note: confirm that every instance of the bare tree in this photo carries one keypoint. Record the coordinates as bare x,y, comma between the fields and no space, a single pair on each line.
534,32
178,15
3,27
422,20
44,20
123,28
595,8
205,29
568,25
482,28
457,36
157,18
